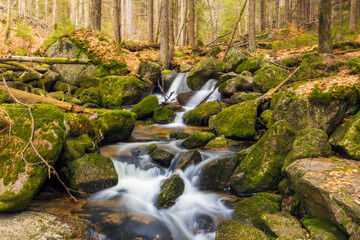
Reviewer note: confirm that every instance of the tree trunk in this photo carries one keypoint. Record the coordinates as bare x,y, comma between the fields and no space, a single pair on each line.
117,26
8,22
185,17
277,12
151,22
353,15
95,16
54,14
341,3
171,22
251,26
325,38
262,15
164,39
191,23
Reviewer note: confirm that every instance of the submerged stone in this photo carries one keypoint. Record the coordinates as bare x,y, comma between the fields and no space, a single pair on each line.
162,157
171,189
187,158
216,174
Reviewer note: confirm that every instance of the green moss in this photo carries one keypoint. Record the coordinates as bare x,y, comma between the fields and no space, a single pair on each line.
146,107
252,64
187,158
76,147
163,115
162,157
233,230
266,117
200,115
268,77
216,174
198,139
64,87
151,147
178,135
79,124
349,94
171,189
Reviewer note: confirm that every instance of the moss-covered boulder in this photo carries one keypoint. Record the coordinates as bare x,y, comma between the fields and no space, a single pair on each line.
281,226
64,87
116,91
234,59
216,174
198,139
261,169
48,80
239,97
268,77
203,71
89,173
233,230
90,95
346,137
221,142
146,107
171,189
184,67
167,78
238,121
151,148
79,124
162,157
163,115
323,229
184,98
77,147
239,83
149,70
328,188
117,125
187,158
252,64
20,179
179,135
309,143
265,117
200,115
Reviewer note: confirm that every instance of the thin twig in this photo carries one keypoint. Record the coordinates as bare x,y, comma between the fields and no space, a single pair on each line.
279,65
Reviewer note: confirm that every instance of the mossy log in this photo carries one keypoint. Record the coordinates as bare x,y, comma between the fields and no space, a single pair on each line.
44,60
14,68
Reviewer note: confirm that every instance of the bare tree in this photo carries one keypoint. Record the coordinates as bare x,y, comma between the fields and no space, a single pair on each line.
325,38
353,15
171,22
191,23
117,17
251,26
341,3
262,15
151,22
95,16
287,10
164,38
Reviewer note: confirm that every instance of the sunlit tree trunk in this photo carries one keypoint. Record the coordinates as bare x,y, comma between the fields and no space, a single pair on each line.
95,16
341,3
54,13
325,38
251,26
117,26
353,15
184,32
8,22
287,10
151,22
171,21
191,23
164,38
262,15
277,13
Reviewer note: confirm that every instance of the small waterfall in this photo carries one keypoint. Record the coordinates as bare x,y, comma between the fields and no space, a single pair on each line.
179,85
203,92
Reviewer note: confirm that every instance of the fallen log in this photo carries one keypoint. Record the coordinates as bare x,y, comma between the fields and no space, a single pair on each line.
45,60
14,68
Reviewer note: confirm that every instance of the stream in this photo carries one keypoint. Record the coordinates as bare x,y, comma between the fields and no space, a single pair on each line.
128,210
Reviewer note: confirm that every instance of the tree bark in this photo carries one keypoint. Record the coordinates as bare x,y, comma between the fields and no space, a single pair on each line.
325,38
151,22
8,22
171,22
251,26
185,16
164,39
54,14
95,16
191,23
277,12
341,3
262,15
117,25
353,15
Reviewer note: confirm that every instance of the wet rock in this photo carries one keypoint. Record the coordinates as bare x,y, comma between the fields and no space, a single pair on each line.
345,138
151,148
200,115
252,64
212,124
173,106
204,223
178,135
163,115
19,182
149,70
187,158
76,147
234,230
89,173
268,77
221,143
266,117
184,67
162,157
234,60
198,139
171,189
239,83
146,107
226,77
261,169
79,124
323,229
241,155
184,98
203,71
167,78
238,121
117,125
215,50
328,188
239,97
216,174
281,225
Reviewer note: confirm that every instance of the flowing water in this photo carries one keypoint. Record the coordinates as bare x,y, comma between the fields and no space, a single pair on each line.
129,211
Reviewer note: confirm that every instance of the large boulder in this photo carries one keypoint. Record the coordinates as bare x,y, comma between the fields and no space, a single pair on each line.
171,189
163,115
163,157
21,178
203,71
239,83
198,139
216,174
329,189
346,137
234,59
167,78
239,97
117,125
187,158
200,115
323,229
76,147
150,71
252,64
268,77
238,121
233,230
261,169
146,107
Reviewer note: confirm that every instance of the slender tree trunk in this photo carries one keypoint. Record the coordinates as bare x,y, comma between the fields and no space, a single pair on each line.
277,11
341,3
287,10
164,39
325,38
171,22
176,19
46,9
117,26
95,16
8,23
191,23
86,13
353,15
54,14
184,32
262,15
151,22
251,26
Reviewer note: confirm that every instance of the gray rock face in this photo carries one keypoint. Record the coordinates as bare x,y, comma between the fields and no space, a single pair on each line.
329,189
149,70
70,73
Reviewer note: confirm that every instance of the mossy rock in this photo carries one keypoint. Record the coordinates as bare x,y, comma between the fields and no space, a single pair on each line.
27,77
198,139
116,91
265,117
234,59
184,67
90,82
79,124
200,115
149,70
239,83
221,143
238,121
171,189
146,107
151,148
90,173
215,50
9,76
90,95
187,158
60,95
252,65
241,155
252,207
281,226
285,188
162,157
117,125
48,80
261,169
178,135
212,124
233,230
323,229
203,71
61,86
20,181
167,77
77,147
163,115
216,174
309,143
239,97
268,77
